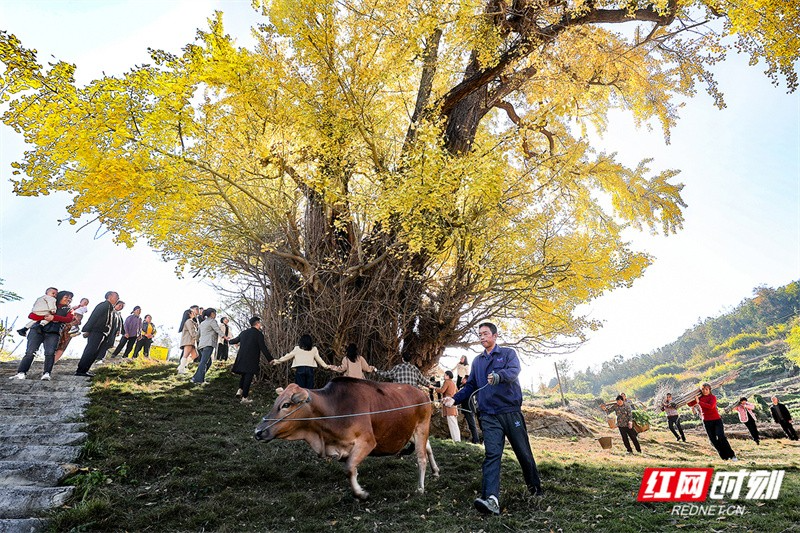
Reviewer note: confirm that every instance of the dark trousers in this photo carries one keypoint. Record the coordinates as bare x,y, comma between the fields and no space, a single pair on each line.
143,344
93,346
105,347
629,433
789,430
36,338
715,430
751,427
496,429
436,384
304,376
473,429
675,421
127,343
222,352
244,384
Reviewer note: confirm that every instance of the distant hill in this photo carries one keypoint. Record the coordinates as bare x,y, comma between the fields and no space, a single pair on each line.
760,337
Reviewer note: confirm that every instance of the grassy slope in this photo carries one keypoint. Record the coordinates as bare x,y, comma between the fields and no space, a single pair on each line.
164,455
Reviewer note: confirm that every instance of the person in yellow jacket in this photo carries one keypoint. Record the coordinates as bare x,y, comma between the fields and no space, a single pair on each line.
305,357
145,337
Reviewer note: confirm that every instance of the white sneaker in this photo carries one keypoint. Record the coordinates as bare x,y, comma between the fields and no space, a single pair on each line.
239,393
21,375
45,376
247,400
488,506
734,459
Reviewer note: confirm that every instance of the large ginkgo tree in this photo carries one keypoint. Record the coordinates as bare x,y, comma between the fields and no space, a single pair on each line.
392,172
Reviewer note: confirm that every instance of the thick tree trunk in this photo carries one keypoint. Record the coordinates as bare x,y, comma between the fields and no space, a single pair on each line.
465,116
463,121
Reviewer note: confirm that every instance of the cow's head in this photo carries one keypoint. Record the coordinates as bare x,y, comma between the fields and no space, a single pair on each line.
291,403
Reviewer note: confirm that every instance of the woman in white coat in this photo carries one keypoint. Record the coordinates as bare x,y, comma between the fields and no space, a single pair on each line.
305,358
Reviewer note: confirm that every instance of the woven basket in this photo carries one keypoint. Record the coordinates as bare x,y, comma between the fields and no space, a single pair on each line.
605,442
612,421
641,429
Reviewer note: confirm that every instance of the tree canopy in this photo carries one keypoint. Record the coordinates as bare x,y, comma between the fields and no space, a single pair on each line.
391,173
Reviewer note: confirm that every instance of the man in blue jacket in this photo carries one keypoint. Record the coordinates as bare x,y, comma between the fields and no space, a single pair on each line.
494,377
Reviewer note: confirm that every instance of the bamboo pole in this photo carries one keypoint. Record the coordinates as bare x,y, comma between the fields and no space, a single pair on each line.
687,397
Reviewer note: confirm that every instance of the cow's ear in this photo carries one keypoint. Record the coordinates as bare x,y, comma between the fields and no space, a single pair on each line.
299,397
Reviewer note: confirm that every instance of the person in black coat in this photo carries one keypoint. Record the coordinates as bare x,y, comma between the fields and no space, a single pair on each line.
96,330
251,346
782,416
116,329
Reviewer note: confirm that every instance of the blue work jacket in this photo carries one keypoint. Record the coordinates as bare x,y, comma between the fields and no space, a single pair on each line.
504,397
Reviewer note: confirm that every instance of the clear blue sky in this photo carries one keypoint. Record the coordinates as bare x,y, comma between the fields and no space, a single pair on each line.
741,167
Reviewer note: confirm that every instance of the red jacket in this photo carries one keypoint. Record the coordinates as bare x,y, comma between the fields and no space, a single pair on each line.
56,318
708,404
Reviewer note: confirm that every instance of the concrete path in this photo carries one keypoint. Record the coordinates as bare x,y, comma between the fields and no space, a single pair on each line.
41,435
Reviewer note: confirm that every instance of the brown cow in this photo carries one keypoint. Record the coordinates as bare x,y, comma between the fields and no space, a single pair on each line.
405,416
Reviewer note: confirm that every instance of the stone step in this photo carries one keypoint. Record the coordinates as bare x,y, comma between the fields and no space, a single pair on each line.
56,385
41,425
35,452
41,393
37,367
38,362
22,502
19,386
22,525
58,417
33,473
48,399
41,429
63,414
57,439
55,399
52,408
14,362
34,374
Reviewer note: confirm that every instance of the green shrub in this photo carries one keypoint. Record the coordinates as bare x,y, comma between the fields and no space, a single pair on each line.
774,365
754,349
666,368
720,370
740,341
793,340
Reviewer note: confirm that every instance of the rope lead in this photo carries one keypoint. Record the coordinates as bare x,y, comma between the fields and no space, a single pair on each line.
276,420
